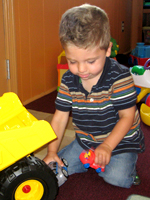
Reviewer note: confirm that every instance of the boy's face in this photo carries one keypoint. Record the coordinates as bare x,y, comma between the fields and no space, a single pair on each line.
88,64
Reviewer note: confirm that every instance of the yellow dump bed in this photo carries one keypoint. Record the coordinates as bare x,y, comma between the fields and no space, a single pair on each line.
20,132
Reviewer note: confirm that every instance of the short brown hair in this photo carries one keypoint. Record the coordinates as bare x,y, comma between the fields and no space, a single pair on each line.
85,26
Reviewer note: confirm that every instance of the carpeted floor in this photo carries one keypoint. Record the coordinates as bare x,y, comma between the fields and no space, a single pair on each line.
44,104
88,185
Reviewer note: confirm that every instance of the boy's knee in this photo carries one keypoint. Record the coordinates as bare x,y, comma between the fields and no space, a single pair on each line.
121,177
121,170
124,182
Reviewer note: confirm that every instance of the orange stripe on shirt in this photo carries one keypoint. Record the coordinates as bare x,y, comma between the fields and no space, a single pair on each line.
80,132
62,92
88,101
123,88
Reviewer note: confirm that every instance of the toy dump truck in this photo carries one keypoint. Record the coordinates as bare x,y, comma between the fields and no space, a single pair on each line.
23,176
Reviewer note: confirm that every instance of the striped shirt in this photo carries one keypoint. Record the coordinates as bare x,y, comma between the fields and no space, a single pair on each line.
96,113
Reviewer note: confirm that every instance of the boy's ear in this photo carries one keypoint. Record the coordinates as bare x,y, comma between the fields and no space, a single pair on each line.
108,52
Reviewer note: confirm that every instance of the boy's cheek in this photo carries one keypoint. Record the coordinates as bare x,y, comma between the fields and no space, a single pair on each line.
73,70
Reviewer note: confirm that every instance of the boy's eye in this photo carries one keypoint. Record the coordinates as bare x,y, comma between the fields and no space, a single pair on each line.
72,62
91,62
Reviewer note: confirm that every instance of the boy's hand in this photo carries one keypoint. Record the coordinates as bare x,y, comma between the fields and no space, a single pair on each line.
103,154
52,156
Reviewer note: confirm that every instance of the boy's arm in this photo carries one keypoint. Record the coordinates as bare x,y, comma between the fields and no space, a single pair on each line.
103,151
58,123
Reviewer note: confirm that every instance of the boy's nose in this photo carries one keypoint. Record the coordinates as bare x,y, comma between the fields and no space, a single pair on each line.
81,68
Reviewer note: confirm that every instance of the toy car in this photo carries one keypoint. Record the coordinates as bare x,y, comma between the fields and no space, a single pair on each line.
23,176
87,158
60,172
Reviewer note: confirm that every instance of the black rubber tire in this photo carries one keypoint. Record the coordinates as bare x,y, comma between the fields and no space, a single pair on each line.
28,168
135,62
65,162
130,61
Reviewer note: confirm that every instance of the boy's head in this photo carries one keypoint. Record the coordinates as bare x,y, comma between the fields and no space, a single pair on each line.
85,26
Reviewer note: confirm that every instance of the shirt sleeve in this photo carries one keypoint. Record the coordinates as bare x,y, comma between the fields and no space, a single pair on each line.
63,101
123,90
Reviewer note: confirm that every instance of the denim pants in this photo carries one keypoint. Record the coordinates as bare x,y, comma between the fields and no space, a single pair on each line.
120,171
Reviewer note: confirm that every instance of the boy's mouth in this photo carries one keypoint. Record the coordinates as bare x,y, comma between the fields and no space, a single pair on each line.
83,75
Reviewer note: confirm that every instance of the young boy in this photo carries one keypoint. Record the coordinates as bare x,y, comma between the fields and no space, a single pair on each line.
102,98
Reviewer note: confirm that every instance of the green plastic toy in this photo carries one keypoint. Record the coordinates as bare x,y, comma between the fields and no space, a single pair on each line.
114,49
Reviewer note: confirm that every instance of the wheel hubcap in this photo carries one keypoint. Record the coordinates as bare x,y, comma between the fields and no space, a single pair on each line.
29,190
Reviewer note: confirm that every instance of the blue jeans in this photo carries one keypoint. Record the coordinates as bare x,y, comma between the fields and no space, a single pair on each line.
120,171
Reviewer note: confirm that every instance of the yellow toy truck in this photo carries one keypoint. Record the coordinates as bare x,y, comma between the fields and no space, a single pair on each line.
23,176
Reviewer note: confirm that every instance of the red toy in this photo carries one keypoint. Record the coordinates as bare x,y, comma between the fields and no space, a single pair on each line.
134,60
147,101
87,158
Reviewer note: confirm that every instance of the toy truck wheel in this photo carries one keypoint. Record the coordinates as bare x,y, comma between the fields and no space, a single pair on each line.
29,178
65,173
98,170
86,165
135,62
130,61
65,162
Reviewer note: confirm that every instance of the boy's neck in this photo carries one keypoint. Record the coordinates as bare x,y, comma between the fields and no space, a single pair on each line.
88,84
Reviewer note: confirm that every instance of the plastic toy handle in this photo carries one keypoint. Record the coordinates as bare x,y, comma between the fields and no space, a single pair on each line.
137,69
146,63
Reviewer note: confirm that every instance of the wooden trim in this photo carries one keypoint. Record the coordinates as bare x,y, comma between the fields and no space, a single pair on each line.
10,43
39,96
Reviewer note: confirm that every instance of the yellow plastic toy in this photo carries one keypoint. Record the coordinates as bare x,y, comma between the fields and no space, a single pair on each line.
145,114
142,94
23,176
61,68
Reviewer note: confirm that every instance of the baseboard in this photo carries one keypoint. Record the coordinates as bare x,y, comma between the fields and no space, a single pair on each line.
39,96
